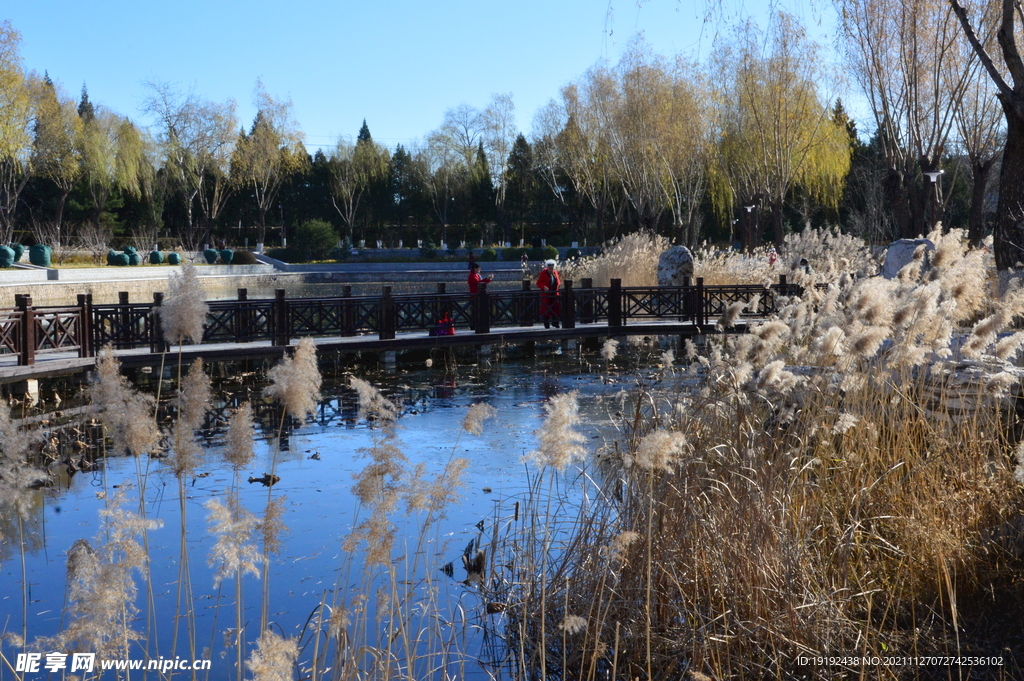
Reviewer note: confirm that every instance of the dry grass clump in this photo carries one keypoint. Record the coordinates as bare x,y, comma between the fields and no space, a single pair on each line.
828,252
126,413
295,381
274,657
184,310
101,588
839,484
633,259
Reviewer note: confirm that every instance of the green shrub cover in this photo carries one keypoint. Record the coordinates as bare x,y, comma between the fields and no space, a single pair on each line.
211,255
315,239
156,257
130,249
134,259
227,255
174,258
6,256
120,260
39,255
513,254
19,250
544,253
489,255
289,255
244,257
111,257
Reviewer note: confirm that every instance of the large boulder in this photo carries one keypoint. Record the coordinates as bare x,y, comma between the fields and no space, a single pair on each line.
901,253
673,265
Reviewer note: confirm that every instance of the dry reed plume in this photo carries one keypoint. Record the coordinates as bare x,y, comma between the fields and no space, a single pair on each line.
184,309
841,482
295,381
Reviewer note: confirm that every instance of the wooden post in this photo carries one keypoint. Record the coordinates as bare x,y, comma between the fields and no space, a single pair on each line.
23,302
242,318
281,331
615,303
156,339
586,300
702,308
441,305
568,308
84,326
526,313
482,310
348,316
126,338
687,300
385,316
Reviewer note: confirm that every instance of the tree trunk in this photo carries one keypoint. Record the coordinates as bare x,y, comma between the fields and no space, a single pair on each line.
896,194
976,221
261,225
1008,242
778,231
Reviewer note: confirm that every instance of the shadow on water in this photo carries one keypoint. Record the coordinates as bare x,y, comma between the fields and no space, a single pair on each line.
316,466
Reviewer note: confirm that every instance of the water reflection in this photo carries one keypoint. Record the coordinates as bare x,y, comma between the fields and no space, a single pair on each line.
316,463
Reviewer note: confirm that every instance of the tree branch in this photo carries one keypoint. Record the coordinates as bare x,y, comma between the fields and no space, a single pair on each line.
979,49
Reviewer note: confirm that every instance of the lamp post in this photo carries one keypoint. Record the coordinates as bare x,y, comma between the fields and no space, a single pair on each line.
284,239
933,193
749,231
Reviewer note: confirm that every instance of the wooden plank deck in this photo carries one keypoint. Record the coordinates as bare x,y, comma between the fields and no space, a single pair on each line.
63,363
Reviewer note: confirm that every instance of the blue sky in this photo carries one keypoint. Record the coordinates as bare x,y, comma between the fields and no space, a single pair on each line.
397,63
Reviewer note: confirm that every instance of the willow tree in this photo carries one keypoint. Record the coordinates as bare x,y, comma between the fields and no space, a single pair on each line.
689,149
15,128
661,139
776,132
354,169
269,153
113,157
635,113
572,149
57,145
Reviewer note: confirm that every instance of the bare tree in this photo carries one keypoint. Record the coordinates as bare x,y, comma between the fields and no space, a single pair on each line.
904,55
196,138
93,239
354,168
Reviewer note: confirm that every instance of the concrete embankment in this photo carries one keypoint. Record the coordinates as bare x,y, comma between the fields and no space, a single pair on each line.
222,282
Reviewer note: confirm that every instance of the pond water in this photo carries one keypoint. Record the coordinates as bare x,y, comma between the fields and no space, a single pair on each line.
316,465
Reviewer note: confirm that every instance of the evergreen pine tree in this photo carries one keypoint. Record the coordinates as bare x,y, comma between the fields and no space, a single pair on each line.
86,111
364,134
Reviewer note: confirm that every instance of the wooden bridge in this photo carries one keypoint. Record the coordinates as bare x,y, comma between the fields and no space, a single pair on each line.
43,341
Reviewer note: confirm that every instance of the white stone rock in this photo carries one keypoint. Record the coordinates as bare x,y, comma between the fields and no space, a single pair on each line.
900,254
673,265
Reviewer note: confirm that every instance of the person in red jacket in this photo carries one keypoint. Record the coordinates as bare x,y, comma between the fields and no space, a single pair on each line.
549,282
475,279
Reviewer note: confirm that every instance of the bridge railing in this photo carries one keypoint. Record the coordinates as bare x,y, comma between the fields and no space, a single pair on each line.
27,331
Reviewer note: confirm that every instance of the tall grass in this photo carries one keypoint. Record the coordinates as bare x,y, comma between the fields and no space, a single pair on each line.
845,479
840,484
